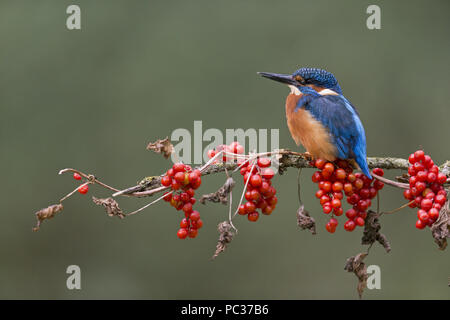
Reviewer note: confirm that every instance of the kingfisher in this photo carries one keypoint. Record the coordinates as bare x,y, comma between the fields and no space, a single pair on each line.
321,119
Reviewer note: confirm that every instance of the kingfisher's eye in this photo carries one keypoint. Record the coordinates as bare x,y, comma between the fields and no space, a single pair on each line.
300,79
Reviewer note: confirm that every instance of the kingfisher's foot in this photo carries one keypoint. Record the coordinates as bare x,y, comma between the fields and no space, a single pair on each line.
308,156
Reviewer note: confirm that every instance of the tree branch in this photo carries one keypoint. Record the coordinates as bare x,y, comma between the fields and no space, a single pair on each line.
286,159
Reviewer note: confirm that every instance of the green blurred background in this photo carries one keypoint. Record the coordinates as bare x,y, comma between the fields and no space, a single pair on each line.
92,99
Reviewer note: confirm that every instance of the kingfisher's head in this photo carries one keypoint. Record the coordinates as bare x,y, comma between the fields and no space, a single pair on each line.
305,79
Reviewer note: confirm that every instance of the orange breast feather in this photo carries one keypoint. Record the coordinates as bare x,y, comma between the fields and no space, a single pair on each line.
308,131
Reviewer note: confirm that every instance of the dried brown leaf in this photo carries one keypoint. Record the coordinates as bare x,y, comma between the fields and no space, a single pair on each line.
356,265
163,146
372,231
47,213
220,195
111,206
226,235
304,220
440,230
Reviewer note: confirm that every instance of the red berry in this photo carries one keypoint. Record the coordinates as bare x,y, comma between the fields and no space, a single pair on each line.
256,180
327,209
340,174
359,183
316,177
433,214
195,215
175,185
326,186
211,153
378,172
255,195
250,207
420,186
330,228
319,163
167,196
83,189
264,162
182,233
420,224
166,181
419,155
76,176
197,224
412,159
348,188
351,214
336,203
359,221
187,207
267,210
184,223
337,186
267,173
253,216
192,233
324,199
329,167
351,178
431,177
364,193
170,172
190,192
177,167
349,225
426,204
422,215
378,185
338,195
241,210
441,178
319,193
179,177
272,201
338,211
440,199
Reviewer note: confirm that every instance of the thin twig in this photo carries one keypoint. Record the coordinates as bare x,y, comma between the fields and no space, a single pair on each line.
399,208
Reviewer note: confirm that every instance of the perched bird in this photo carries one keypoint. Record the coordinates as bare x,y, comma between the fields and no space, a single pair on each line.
320,118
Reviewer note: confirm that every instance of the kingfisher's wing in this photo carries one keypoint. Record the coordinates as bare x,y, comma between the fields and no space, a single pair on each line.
338,115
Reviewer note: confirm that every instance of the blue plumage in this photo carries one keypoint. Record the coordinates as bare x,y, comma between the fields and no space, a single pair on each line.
331,109
341,119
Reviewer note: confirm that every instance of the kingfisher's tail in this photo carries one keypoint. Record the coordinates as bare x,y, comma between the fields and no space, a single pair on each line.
362,163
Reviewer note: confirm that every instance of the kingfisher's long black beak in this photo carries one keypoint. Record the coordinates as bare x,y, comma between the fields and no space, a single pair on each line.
283,78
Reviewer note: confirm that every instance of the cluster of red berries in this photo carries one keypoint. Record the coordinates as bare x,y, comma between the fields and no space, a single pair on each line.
184,181
84,188
336,180
260,194
426,190
234,147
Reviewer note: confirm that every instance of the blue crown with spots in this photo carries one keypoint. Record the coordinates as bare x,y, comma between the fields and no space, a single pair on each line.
319,77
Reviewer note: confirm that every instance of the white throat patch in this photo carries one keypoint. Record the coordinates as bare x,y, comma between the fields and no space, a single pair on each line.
294,90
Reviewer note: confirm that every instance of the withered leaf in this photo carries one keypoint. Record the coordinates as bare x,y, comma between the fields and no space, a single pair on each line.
304,220
357,266
47,213
163,146
440,230
226,234
372,231
220,195
111,206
